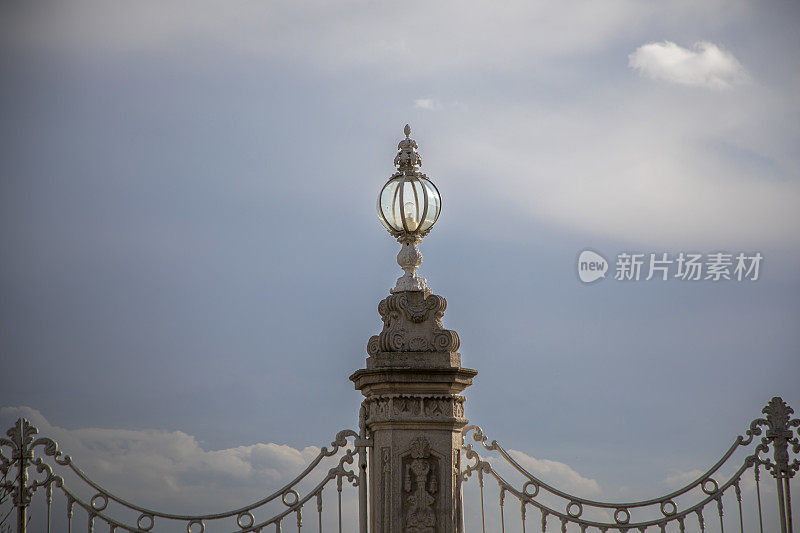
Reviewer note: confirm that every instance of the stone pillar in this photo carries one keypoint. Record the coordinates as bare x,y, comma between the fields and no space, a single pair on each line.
414,413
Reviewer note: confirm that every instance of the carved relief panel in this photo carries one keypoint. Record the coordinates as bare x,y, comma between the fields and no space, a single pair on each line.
396,407
420,488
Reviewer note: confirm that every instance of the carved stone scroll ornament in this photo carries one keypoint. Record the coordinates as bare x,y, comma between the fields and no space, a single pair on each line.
412,322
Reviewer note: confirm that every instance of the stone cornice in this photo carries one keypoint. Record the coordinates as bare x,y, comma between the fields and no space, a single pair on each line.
412,379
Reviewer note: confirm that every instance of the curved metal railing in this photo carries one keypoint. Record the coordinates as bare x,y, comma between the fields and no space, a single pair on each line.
34,464
781,435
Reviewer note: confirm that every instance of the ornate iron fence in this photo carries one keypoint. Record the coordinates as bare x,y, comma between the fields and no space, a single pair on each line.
781,436
35,465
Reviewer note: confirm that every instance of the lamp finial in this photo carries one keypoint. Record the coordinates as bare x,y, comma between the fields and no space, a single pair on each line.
407,158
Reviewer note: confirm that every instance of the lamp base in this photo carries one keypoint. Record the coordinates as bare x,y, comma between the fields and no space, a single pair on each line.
410,258
410,283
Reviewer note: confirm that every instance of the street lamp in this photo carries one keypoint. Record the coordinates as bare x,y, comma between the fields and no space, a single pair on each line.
408,206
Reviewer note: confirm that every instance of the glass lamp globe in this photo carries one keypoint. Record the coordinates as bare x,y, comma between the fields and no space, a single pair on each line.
409,204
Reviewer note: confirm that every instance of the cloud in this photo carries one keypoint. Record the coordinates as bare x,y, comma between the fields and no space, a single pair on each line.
170,470
558,474
681,478
522,33
554,473
426,103
674,169
705,65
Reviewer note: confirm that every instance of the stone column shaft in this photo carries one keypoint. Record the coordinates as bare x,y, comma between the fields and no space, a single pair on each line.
414,414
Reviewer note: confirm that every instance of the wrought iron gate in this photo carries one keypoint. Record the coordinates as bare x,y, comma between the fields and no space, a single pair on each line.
679,508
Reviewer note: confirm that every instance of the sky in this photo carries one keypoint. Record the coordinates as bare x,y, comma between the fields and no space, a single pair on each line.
190,247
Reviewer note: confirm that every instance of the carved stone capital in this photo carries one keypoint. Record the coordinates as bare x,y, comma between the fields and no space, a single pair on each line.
412,322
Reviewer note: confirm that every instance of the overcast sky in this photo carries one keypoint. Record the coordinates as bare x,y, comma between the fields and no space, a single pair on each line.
189,239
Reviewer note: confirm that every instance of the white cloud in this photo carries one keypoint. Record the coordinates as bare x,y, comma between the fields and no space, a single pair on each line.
558,474
169,470
425,103
681,478
554,473
705,65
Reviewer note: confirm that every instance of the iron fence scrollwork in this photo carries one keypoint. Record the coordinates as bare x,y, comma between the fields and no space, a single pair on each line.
31,464
777,431
27,465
